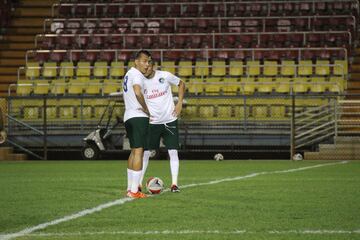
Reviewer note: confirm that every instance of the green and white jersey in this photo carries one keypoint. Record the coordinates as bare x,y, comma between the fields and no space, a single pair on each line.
158,97
132,106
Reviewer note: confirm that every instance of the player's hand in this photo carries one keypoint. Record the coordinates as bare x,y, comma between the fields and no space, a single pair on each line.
177,110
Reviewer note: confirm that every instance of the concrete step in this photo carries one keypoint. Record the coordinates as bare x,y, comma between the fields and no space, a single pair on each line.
17,46
5,152
19,38
355,76
12,62
25,30
320,156
8,70
347,140
7,79
339,147
27,22
355,68
12,54
38,3
353,84
17,157
44,12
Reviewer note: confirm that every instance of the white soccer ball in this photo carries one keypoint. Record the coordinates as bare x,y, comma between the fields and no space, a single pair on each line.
154,185
297,157
218,157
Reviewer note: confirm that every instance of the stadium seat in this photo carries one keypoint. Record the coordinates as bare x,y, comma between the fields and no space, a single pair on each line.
241,111
224,112
100,70
66,70
283,85
317,84
168,66
336,84
259,112
190,111
67,112
110,86
252,68
265,85
51,112
300,85
201,68
58,87
117,70
305,68
278,112
195,86
32,70
41,87
49,70
288,68
270,68
218,68
322,67
340,67
94,87
24,87
206,112
248,85
31,113
236,68
77,86
185,69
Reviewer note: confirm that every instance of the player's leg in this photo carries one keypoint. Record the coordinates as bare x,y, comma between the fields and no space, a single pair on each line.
153,143
171,141
136,129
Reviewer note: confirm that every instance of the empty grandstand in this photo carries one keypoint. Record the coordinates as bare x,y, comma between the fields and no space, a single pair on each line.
264,78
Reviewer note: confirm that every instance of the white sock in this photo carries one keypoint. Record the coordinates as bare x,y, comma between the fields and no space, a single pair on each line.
174,165
145,164
129,178
135,181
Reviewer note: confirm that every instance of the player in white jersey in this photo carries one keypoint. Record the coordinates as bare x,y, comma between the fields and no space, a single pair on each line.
163,118
136,118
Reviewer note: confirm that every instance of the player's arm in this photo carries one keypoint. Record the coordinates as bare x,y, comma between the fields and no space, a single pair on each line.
140,98
181,92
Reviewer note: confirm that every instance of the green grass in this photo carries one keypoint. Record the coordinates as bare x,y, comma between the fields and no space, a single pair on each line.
324,198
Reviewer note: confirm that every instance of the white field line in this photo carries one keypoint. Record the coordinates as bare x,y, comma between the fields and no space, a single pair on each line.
122,201
190,232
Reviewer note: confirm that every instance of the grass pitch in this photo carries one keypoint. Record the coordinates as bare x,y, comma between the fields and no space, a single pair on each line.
269,203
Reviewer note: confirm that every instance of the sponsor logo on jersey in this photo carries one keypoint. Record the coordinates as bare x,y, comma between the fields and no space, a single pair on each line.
161,80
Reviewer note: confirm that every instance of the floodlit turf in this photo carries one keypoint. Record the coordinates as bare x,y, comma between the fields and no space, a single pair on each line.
315,203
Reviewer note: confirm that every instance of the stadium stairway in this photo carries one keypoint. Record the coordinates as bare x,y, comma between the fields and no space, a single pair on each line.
346,148
354,81
27,21
7,154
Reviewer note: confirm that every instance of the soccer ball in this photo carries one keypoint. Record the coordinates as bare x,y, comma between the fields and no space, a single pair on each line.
297,157
154,185
218,157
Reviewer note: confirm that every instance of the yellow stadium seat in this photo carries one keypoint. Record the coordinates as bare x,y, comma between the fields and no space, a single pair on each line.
41,87
224,112
93,87
185,69
248,85
322,67
317,84
265,85
110,86
195,86
24,87
67,112
305,68
98,111
206,112
51,112
336,84
236,68
168,66
117,70
300,85
283,85
190,111
252,68
270,68
32,70
288,68
212,88
231,88
49,70
278,112
340,67
259,112
201,68
85,112
58,87
83,70
174,89
241,111
218,68
100,70
130,65
31,113
76,86
66,70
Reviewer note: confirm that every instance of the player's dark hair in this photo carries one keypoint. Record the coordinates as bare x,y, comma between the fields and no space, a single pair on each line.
142,51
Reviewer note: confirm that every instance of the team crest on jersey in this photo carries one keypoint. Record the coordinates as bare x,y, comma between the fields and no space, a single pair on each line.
161,80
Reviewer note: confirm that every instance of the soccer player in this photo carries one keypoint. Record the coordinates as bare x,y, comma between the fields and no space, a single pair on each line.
163,118
136,118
